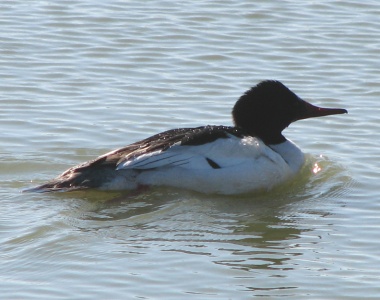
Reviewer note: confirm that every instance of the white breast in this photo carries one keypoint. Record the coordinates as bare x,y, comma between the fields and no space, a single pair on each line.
245,165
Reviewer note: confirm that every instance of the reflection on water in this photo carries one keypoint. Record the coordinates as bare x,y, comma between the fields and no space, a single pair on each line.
80,78
257,242
250,232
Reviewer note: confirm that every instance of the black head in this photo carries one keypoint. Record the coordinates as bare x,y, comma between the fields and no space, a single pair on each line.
269,107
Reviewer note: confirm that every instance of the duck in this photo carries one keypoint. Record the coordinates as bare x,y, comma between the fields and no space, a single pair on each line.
251,155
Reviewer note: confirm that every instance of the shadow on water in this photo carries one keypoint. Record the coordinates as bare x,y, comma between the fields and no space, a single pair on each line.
319,179
247,232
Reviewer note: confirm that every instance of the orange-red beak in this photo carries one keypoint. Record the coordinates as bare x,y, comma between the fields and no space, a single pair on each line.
312,111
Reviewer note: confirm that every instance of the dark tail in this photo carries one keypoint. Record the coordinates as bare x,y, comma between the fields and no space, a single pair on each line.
85,176
54,186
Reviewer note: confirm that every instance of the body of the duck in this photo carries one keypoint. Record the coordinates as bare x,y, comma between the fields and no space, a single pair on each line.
252,155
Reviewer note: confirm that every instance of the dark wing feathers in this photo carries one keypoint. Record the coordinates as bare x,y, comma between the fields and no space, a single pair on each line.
163,141
207,134
93,173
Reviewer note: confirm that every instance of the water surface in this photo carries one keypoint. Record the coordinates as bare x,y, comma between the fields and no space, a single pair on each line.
80,78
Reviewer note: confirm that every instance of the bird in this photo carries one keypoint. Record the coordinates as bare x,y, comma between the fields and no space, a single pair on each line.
251,155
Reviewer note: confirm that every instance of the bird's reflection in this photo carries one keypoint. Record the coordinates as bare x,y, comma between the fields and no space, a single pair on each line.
251,232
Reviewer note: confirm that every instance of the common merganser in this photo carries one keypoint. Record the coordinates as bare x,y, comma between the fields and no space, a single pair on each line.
249,156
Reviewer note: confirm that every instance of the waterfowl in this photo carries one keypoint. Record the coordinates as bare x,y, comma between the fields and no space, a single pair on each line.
251,155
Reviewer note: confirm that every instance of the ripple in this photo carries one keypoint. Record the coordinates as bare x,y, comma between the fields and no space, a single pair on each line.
81,78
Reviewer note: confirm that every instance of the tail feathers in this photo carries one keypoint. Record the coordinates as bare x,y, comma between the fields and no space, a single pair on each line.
74,179
53,186
98,173
59,185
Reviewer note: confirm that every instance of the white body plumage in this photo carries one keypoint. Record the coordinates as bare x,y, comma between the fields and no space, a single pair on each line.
225,166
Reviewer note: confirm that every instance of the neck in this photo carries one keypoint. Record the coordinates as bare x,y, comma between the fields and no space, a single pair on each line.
269,136
273,139
291,154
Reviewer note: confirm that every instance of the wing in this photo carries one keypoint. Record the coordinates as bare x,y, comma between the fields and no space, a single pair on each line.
199,148
93,173
176,147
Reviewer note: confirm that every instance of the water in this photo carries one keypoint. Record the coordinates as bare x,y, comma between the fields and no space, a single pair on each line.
79,78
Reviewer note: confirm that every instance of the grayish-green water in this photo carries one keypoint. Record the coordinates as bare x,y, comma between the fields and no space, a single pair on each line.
80,78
